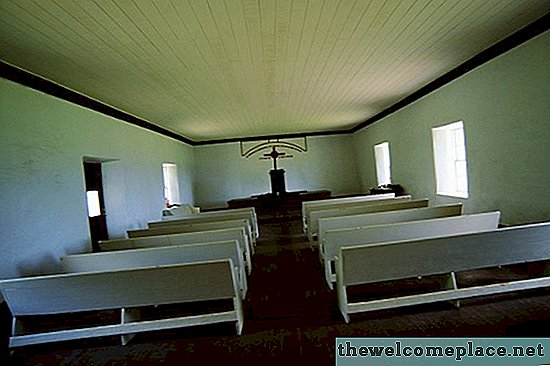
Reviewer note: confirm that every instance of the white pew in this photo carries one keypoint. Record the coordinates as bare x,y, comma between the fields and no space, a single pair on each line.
398,203
222,215
441,255
307,205
183,239
125,291
160,256
336,239
181,227
386,217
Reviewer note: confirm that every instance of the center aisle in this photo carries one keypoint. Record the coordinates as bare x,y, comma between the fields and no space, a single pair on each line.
286,287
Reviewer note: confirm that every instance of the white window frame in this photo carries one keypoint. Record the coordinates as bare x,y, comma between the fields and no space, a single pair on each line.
171,184
450,162
383,163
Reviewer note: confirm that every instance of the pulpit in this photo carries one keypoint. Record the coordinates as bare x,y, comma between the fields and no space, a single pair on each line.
278,201
278,187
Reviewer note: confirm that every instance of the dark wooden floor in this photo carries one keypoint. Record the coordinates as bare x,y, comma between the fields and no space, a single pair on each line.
291,316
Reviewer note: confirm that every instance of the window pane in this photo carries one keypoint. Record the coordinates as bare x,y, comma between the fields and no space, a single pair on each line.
383,164
450,160
92,197
171,184
460,149
461,176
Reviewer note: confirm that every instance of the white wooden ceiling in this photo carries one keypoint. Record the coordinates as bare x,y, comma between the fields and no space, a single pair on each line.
222,69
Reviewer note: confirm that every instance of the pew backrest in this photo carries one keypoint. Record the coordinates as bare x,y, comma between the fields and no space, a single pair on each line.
387,217
357,209
443,254
247,213
438,255
198,237
193,227
74,292
120,289
307,205
159,256
337,239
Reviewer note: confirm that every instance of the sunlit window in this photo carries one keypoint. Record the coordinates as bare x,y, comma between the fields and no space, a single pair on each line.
383,164
451,170
92,198
171,185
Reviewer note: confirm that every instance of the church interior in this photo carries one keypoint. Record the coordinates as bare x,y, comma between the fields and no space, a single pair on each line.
118,116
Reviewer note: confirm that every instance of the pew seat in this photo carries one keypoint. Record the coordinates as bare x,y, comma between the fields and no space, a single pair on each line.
126,291
399,260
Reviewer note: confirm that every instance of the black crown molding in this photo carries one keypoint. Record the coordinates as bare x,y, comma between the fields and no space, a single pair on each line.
271,137
33,81
523,35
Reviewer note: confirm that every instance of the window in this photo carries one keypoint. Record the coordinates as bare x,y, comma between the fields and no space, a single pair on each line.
451,171
92,198
383,166
171,185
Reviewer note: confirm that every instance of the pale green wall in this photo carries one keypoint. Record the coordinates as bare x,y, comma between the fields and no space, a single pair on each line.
43,211
505,106
222,174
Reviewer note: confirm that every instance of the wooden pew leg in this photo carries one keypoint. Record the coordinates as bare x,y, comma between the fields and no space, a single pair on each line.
321,252
341,290
247,257
243,284
343,302
128,316
237,302
328,273
450,284
17,327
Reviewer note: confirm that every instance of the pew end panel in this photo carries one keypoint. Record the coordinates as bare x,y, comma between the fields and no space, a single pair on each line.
400,260
124,292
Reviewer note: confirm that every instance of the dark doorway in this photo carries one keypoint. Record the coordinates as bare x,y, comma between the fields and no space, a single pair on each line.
96,204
